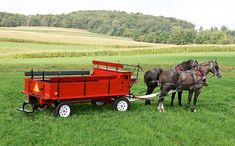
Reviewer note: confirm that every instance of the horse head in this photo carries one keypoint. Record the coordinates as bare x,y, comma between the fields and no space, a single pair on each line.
215,69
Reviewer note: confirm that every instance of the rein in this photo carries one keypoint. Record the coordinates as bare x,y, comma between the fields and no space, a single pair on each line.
210,76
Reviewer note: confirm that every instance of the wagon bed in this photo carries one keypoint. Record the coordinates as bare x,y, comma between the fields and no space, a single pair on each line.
108,82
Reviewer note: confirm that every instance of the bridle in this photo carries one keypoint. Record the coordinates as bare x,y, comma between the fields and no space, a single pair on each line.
214,69
195,63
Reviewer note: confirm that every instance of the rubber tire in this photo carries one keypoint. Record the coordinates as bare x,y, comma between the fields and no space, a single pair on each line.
116,101
58,108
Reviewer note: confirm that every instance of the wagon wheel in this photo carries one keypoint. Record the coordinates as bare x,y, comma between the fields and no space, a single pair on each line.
121,104
63,109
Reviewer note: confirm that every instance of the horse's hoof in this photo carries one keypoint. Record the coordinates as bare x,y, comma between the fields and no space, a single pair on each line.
159,109
194,110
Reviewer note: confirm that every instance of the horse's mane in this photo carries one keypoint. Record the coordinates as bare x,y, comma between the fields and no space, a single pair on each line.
185,64
206,63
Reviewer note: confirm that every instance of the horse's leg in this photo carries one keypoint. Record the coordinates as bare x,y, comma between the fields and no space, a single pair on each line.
163,93
172,99
149,91
190,94
197,93
180,97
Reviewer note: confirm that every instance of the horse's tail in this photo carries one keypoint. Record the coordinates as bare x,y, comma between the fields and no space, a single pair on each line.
160,71
152,76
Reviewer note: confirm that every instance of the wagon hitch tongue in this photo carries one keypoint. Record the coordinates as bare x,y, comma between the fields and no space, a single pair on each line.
25,108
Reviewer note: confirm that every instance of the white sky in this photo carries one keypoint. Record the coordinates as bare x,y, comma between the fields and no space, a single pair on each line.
204,13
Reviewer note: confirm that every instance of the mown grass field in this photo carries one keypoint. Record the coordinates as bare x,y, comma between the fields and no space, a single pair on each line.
25,48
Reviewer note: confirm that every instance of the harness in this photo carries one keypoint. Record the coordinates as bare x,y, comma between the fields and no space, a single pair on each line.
173,80
179,68
200,72
193,78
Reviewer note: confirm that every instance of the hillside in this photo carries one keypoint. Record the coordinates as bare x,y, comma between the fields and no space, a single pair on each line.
53,35
139,27
46,42
61,42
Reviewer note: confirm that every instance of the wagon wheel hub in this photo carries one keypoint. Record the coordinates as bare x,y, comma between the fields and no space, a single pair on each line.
122,106
64,111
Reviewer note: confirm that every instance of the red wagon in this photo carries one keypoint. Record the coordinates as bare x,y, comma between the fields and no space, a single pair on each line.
108,83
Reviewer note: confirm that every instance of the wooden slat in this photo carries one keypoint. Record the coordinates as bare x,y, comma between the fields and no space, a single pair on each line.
102,63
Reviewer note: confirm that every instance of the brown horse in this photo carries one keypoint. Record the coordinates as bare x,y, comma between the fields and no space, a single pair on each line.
191,80
151,77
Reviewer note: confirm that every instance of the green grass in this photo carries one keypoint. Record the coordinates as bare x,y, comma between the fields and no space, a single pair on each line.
212,124
146,60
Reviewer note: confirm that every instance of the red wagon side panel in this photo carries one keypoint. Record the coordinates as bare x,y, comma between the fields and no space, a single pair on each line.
102,83
97,88
34,87
70,90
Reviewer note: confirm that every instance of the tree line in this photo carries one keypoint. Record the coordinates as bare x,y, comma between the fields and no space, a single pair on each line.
140,27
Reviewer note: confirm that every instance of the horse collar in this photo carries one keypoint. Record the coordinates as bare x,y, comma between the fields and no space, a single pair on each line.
179,68
200,72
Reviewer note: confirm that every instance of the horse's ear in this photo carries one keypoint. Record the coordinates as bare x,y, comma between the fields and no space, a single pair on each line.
195,60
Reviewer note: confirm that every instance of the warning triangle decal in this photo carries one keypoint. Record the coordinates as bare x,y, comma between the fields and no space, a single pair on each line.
36,89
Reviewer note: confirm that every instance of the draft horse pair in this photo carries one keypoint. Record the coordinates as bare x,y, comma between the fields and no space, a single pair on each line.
188,75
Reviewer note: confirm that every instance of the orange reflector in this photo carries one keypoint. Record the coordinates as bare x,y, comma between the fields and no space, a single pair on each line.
36,89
